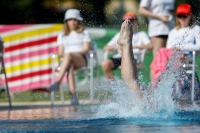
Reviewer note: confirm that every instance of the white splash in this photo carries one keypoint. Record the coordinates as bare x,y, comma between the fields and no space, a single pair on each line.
156,104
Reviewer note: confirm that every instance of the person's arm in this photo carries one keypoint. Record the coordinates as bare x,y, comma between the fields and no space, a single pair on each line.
86,48
145,12
112,44
108,48
60,50
192,47
148,46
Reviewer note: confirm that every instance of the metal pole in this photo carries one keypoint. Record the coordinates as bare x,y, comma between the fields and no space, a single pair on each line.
91,76
52,77
8,93
193,75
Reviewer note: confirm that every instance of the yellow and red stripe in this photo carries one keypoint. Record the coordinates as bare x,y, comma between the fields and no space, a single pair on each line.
28,54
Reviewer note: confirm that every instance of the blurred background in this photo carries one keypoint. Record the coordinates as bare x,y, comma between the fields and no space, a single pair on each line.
104,15
96,13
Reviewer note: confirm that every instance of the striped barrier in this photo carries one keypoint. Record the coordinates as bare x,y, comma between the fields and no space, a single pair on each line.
28,53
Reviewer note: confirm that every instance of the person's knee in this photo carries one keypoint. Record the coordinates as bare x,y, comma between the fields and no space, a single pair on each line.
107,65
68,56
71,67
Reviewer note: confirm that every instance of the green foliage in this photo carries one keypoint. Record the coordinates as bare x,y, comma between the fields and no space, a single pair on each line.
34,96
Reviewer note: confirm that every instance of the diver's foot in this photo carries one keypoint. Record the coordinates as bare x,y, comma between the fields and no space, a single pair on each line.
126,33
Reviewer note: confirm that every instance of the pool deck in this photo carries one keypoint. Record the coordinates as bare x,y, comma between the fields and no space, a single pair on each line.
41,104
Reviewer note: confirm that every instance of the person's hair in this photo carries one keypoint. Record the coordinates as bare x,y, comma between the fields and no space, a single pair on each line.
191,22
66,30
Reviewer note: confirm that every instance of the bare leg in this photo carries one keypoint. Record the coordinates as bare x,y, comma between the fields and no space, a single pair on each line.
107,66
71,58
129,69
72,86
71,80
157,43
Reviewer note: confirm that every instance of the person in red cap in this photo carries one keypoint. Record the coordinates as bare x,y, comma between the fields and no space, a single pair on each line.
140,40
186,35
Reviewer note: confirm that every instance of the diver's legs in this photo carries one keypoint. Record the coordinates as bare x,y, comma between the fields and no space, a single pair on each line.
128,65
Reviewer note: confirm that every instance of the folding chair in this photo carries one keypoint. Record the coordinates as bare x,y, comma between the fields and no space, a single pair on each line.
3,71
88,71
192,70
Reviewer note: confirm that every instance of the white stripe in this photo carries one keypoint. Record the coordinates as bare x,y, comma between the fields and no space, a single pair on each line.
29,80
30,39
29,49
25,29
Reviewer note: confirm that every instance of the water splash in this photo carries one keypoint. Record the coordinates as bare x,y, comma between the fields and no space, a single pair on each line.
154,104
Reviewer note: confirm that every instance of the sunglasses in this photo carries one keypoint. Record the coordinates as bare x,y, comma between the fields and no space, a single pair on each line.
182,16
135,19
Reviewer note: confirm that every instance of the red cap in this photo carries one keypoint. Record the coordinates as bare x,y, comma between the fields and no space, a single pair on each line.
129,15
184,9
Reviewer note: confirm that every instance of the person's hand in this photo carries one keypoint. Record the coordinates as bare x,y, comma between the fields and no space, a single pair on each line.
164,18
119,48
138,47
177,48
104,48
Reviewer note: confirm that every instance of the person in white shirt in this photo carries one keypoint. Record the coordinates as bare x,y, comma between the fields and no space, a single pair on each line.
186,35
140,40
161,21
73,45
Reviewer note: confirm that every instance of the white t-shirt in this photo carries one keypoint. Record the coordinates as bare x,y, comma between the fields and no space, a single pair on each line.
187,39
74,41
159,7
138,39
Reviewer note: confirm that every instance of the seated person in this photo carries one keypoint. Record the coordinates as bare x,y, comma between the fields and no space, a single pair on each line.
140,40
73,45
185,37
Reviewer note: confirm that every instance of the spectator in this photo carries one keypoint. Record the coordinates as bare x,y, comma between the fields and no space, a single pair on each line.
159,13
140,40
73,45
186,35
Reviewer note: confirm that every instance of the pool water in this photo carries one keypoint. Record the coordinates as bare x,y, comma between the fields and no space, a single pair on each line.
84,119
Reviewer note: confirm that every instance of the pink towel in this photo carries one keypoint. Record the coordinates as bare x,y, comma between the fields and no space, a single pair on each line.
160,61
